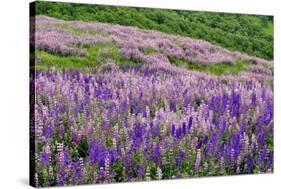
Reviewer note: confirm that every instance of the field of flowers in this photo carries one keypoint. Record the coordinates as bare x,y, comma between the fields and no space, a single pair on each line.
154,117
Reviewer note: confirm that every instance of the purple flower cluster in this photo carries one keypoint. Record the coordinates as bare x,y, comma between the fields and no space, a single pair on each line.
150,121
53,36
58,41
142,124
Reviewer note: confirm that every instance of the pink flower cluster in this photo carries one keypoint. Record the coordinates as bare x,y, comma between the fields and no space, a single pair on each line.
131,41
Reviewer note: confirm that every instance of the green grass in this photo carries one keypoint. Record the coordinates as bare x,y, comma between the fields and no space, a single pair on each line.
148,50
101,52
78,31
217,69
97,55
47,60
70,28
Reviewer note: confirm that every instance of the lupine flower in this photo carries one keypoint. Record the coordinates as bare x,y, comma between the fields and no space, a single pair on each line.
134,123
159,173
147,174
222,165
198,160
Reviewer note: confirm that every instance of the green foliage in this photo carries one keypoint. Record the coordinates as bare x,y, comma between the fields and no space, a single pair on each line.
270,143
83,148
119,171
269,28
74,30
101,52
78,31
246,33
217,69
148,50
47,60
97,55
169,170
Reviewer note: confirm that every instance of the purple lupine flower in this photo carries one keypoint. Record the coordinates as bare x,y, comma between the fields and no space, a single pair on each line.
184,128
49,130
157,154
140,172
189,123
96,152
173,130
198,160
200,114
270,160
179,132
156,131
46,158
263,155
180,157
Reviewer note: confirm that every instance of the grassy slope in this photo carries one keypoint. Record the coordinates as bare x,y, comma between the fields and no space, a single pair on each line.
245,33
217,69
98,54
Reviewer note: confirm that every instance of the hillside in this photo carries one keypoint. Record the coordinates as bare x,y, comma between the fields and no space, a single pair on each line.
82,45
250,34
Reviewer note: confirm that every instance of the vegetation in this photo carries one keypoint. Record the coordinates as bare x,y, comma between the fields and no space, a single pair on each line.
251,34
142,114
97,55
217,69
47,60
